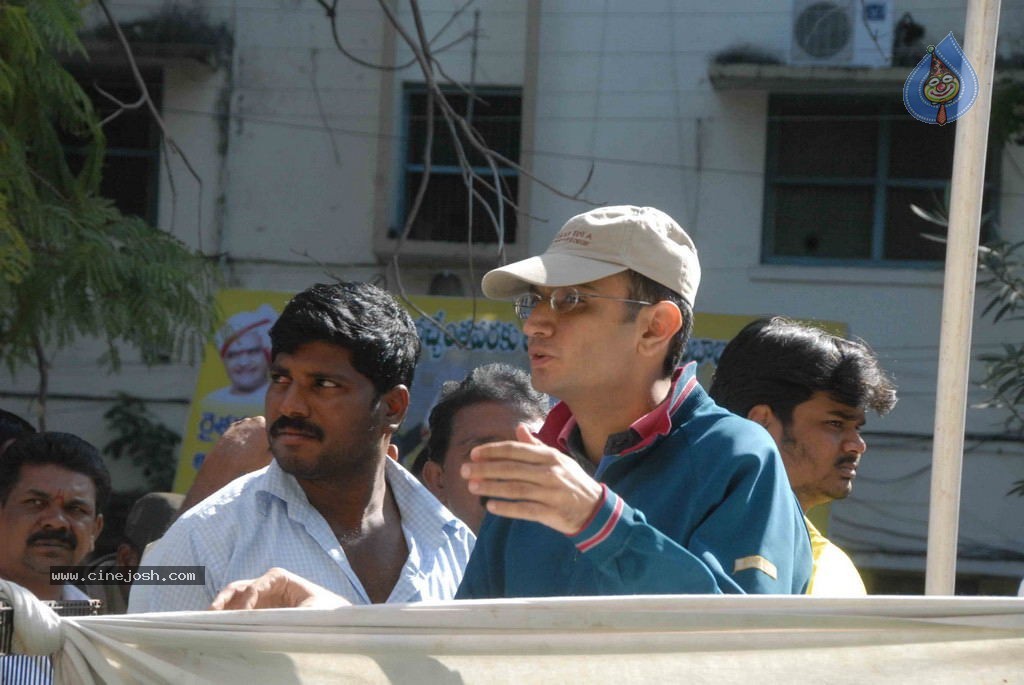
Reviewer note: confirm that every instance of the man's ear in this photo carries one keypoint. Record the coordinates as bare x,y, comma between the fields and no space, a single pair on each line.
659,321
431,475
760,413
394,404
763,414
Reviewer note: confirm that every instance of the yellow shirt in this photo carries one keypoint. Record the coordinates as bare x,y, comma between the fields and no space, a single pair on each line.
832,574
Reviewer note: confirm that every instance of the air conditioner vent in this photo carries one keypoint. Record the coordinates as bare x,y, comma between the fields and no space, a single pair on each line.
842,32
823,30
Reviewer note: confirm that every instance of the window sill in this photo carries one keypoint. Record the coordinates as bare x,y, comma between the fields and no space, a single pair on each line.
783,78
844,80
790,273
442,253
151,54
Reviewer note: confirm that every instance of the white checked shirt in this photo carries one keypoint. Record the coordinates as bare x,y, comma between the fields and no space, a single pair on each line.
263,519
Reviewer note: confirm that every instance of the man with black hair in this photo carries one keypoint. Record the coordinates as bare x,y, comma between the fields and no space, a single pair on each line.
53,489
810,390
485,406
331,506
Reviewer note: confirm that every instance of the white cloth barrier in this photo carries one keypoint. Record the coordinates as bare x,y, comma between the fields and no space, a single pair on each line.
693,639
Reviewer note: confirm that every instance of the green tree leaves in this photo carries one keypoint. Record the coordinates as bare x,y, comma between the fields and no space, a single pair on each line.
71,264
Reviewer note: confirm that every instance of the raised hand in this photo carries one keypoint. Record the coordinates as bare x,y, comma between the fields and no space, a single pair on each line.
526,479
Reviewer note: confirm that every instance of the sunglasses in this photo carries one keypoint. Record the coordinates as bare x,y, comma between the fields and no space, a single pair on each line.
562,301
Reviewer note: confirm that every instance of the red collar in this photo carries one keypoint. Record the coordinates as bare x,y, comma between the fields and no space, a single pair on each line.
560,422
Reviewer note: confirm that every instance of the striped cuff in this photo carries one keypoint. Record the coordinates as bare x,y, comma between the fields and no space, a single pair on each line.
601,523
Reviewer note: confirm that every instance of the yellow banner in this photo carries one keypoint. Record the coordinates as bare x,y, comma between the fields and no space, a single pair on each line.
238,353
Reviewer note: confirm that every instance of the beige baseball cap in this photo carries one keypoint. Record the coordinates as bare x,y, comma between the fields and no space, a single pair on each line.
603,242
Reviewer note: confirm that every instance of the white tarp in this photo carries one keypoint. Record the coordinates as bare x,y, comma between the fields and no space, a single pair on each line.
692,639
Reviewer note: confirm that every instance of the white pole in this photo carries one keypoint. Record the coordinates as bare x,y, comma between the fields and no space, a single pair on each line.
968,182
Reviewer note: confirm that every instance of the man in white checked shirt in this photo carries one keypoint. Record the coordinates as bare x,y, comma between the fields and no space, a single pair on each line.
331,506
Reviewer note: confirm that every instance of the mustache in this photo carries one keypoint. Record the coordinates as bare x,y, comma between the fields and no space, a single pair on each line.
59,535
296,425
849,459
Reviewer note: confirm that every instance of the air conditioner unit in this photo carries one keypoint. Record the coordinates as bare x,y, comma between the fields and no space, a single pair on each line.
849,33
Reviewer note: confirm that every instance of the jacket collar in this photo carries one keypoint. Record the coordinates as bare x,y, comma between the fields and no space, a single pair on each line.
657,423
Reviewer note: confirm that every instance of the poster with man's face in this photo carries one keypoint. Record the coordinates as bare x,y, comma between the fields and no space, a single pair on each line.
233,377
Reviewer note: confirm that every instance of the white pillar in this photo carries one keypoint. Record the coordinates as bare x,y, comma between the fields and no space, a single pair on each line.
968,183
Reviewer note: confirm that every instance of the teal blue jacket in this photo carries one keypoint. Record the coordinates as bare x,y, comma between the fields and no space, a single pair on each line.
699,503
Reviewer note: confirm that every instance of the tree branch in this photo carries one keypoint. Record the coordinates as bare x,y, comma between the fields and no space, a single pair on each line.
331,10
169,141
43,366
461,130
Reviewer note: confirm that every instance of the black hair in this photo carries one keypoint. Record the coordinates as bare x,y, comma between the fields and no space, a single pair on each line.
643,288
13,426
489,383
60,449
360,317
782,363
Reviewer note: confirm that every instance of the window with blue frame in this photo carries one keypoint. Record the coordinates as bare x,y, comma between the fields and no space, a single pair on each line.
446,214
841,175
131,166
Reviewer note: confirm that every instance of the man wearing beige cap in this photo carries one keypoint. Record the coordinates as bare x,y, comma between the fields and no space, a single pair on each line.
638,482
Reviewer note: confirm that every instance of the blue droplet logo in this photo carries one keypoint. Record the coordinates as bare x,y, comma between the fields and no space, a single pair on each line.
943,86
